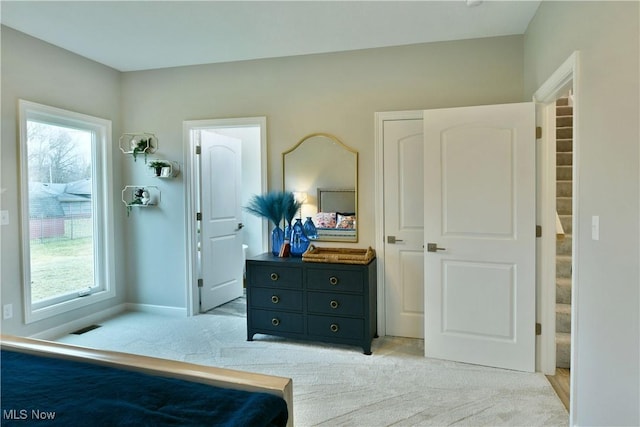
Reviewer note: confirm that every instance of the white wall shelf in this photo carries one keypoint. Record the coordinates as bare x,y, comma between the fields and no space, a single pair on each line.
137,143
140,196
171,170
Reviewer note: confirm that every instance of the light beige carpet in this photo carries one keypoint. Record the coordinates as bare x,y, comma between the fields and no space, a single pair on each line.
338,385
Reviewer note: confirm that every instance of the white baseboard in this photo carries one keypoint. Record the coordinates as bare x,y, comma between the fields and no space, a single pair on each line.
67,328
157,309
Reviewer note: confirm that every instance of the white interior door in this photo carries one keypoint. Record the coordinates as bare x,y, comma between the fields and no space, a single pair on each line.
480,214
403,227
221,237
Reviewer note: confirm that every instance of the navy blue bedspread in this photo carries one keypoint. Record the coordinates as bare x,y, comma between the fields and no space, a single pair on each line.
47,391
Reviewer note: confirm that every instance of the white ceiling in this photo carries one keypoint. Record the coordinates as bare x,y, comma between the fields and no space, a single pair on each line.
142,35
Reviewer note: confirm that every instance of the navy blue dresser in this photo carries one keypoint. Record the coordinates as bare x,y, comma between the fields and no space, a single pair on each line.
325,302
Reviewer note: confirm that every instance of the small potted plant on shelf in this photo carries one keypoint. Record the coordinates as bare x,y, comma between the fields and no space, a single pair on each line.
140,196
140,146
157,166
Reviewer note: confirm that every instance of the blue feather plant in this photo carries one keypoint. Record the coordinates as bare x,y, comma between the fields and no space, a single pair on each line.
269,205
290,207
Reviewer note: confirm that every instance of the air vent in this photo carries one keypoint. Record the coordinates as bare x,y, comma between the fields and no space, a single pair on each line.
85,329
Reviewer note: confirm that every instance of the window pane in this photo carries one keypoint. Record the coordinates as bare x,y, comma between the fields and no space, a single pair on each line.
60,210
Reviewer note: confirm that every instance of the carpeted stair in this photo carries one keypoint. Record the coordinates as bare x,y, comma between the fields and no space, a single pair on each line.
564,185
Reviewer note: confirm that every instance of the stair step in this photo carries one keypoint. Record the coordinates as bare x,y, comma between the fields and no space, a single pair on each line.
564,132
564,145
563,318
563,245
563,205
564,111
563,350
563,290
564,121
564,159
564,172
562,101
564,188
563,266
567,223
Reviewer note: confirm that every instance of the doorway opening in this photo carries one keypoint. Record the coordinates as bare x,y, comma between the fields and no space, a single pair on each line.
251,136
564,228
558,213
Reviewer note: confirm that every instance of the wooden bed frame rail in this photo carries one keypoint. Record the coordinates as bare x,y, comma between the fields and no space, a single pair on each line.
219,377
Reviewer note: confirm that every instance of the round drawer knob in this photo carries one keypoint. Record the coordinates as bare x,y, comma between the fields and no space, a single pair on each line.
334,327
275,321
333,280
275,299
274,276
333,304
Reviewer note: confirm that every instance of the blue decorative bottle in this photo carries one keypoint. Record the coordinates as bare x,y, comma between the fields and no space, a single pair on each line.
310,229
299,240
277,239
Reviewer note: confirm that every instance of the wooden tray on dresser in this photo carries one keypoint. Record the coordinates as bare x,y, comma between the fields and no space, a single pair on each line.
339,255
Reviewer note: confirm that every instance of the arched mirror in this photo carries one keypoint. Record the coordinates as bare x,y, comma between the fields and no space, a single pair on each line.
323,174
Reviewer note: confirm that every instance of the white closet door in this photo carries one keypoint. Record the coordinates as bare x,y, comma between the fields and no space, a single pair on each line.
479,207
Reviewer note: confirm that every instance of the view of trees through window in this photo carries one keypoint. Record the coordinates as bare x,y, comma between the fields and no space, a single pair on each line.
60,210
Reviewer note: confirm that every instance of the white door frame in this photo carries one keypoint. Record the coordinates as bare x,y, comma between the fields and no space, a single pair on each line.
380,118
564,78
191,192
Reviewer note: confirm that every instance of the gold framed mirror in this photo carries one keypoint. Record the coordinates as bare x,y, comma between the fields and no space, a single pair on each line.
322,172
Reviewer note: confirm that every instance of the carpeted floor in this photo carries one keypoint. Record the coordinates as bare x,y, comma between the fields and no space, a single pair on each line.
338,385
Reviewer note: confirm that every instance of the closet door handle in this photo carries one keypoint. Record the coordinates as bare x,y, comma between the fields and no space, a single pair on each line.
433,247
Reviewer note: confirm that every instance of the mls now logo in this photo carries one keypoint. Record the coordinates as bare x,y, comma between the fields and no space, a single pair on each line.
23,414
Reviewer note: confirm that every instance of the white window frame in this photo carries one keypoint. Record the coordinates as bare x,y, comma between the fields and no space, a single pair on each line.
102,207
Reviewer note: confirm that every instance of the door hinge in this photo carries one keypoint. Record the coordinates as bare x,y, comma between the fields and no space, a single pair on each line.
538,329
200,283
198,216
538,231
198,149
538,132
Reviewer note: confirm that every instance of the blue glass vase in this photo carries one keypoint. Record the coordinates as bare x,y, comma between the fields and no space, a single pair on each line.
287,231
299,240
310,229
277,239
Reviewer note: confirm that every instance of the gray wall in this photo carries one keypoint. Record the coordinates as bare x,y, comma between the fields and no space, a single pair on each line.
42,73
606,34
334,93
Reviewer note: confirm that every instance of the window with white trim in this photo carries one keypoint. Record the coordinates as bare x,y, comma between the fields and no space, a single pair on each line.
67,226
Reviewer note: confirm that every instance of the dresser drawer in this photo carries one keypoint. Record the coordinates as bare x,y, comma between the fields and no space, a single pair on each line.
337,327
275,299
275,276
325,279
277,321
335,303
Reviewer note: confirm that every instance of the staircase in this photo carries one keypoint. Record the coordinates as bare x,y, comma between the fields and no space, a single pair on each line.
564,185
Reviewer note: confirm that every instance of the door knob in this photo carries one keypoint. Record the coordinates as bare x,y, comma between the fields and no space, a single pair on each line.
392,239
240,226
433,247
